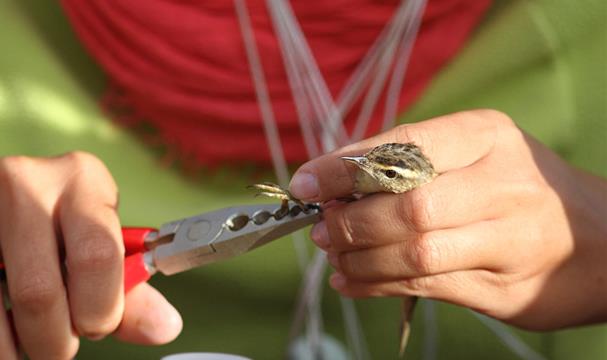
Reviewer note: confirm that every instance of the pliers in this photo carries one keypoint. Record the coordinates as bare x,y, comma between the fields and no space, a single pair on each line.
214,236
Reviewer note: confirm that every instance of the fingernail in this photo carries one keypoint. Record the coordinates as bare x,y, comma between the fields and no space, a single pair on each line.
337,281
333,259
304,186
320,235
96,337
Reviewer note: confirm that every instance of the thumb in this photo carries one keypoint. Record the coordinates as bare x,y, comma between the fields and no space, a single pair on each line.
149,319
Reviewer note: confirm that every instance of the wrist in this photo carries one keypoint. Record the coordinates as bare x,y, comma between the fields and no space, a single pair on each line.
589,228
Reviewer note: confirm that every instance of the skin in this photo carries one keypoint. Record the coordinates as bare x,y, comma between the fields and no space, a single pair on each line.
67,205
507,228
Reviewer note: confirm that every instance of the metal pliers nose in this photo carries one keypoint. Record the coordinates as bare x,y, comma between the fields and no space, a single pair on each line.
198,240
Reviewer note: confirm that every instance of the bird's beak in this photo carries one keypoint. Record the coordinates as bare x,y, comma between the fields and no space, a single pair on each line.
358,160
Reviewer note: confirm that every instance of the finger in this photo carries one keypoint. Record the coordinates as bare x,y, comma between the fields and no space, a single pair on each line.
450,142
470,289
149,319
38,296
94,249
453,199
365,223
7,341
469,247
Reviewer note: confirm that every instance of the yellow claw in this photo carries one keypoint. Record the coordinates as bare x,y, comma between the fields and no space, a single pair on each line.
275,191
267,187
273,195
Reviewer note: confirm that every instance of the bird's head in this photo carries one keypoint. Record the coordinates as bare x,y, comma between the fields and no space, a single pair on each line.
391,167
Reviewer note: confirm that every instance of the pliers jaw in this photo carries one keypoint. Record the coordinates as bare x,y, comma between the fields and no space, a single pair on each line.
191,242
203,239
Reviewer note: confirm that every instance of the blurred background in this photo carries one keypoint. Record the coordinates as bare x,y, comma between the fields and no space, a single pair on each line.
552,80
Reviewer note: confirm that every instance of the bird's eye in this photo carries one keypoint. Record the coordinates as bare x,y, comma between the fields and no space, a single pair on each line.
390,173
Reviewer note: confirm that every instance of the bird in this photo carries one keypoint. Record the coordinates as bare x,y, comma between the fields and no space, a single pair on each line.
391,167
395,168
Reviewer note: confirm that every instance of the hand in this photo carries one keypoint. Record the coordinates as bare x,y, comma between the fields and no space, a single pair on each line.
507,228
65,208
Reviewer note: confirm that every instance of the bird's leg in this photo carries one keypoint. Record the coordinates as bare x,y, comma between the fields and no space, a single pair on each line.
275,191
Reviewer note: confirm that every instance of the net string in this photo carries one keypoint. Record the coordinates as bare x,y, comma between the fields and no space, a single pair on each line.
402,61
307,81
508,338
263,98
366,69
310,87
312,91
397,33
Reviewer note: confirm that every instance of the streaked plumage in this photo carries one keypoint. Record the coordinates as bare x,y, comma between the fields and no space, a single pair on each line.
391,167
396,168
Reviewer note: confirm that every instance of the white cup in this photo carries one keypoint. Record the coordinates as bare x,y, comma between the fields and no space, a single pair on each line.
204,356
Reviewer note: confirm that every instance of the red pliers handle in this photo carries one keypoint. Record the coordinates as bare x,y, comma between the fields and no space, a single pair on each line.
135,269
207,238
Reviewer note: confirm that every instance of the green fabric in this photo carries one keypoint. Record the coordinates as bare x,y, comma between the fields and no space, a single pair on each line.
542,62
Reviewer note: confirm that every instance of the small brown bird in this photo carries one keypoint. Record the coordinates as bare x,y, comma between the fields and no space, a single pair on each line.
391,167
394,168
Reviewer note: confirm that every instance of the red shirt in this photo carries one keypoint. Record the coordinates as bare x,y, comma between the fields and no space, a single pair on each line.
181,65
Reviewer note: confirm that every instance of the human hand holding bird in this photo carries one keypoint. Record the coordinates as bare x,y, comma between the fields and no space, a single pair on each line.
495,232
390,167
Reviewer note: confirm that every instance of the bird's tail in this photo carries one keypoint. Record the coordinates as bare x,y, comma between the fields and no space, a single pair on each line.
408,306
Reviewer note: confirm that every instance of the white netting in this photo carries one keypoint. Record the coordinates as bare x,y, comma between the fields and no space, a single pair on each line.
321,122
